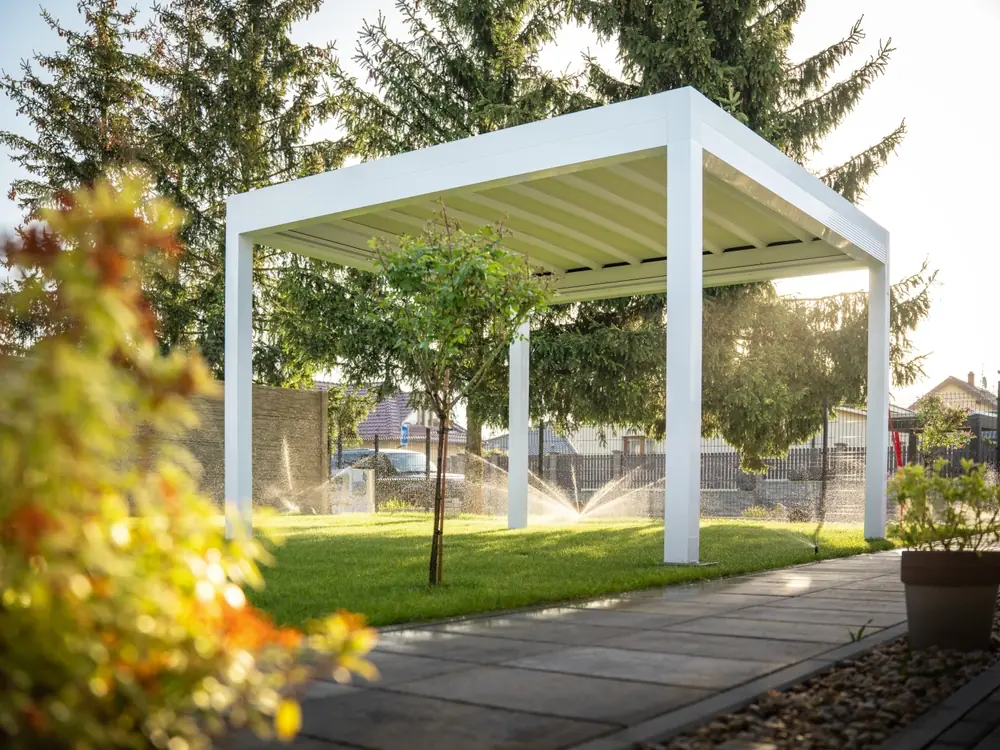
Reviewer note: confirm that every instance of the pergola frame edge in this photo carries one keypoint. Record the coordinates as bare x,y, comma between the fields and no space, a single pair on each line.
700,139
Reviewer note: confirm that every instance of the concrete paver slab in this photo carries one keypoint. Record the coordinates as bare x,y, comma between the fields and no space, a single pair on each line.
833,634
823,616
548,632
458,647
395,667
606,618
666,669
845,605
665,607
570,696
719,646
383,720
856,595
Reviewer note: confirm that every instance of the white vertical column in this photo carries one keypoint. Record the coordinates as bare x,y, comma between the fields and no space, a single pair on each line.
682,488
517,442
238,385
877,439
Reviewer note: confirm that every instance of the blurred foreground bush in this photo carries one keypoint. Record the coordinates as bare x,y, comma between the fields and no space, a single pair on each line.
123,623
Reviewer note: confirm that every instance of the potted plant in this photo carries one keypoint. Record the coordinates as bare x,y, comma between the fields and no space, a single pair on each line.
949,525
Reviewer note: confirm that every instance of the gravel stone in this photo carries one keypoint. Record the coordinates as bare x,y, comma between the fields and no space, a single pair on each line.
855,705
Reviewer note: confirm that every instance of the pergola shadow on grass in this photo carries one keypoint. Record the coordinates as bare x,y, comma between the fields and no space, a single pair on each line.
375,565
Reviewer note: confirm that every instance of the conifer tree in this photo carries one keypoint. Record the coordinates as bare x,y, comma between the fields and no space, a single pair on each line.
87,104
466,68
736,53
239,101
602,362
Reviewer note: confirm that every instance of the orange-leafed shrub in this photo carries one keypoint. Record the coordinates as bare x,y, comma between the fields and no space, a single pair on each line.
123,622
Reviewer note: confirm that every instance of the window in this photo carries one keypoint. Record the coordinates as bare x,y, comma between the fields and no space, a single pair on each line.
634,445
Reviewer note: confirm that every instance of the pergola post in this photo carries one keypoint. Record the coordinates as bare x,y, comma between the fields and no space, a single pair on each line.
238,385
518,432
877,439
682,487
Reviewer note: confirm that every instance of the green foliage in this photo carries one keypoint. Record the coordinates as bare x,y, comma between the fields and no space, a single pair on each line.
448,304
211,97
942,426
758,512
123,620
86,103
237,102
768,363
944,512
857,635
466,67
736,53
395,505
346,409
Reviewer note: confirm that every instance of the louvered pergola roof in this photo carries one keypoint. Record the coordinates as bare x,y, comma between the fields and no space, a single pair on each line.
583,196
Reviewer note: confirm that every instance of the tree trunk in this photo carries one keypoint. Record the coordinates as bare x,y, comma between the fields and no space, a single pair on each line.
474,473
435,566
442,478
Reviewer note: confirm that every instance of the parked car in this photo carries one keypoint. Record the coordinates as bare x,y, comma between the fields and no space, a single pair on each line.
400,475
404,463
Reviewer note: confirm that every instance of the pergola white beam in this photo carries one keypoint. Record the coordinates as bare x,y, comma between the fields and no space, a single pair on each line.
238,385
877,438
682,484
518,434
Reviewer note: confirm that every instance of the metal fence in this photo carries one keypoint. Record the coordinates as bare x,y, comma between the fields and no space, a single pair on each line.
603,472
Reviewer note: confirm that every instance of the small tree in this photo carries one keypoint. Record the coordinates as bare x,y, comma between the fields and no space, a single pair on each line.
942,427
450,302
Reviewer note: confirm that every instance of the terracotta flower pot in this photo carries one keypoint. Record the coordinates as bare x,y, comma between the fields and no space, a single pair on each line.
950,598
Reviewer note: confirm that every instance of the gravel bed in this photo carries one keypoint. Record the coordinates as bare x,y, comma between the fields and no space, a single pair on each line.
855,705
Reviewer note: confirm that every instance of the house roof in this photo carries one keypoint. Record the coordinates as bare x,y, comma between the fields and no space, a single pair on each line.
386,419
977,393
552,442
895,412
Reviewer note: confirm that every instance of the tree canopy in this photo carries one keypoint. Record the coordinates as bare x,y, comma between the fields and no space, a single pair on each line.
448,303
224,101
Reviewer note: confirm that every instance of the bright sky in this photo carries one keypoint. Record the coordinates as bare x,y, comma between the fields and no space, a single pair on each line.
931,197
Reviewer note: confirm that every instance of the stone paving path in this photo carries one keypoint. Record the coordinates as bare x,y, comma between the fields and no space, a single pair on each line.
606,673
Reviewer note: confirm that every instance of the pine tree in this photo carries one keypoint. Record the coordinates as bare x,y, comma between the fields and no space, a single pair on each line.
467,67
736,53
87,104
239,101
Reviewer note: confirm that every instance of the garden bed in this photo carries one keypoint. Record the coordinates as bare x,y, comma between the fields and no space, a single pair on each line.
855,705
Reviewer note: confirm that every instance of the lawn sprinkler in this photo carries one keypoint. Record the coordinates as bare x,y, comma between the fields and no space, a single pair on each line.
816,548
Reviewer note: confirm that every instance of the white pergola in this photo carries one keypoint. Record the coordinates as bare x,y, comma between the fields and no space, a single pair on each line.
667,191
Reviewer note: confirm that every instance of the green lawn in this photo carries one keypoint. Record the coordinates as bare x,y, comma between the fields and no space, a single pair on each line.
378,564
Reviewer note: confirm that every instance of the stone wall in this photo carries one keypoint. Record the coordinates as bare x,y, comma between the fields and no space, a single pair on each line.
290,458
